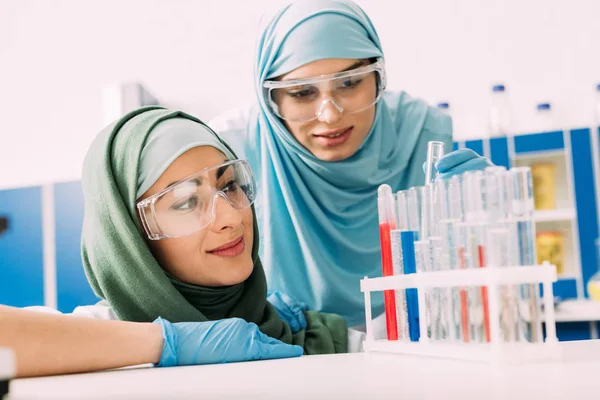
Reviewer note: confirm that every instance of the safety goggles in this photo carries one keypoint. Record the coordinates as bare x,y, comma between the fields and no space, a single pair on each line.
189,205
304,100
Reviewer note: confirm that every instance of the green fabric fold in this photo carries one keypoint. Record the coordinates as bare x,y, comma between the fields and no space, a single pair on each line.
122,270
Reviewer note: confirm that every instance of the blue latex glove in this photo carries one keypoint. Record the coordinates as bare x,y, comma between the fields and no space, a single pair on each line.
459,161
289,310
217,342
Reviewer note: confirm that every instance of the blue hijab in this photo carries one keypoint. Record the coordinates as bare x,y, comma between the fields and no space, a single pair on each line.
319,219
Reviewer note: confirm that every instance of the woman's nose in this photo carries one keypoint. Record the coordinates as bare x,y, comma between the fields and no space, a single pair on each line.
225,215
330,112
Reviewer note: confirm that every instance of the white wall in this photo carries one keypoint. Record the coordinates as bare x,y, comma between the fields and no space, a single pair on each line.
197,55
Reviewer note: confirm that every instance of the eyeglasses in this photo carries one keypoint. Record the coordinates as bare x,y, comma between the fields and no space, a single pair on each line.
188,205
304,100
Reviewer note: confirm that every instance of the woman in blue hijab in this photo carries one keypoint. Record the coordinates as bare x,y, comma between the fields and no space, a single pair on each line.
322,138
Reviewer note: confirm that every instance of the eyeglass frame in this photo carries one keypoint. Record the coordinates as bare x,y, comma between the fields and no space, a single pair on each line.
377,66
140,205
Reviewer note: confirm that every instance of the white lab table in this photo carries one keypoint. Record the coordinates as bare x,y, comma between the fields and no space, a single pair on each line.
346,376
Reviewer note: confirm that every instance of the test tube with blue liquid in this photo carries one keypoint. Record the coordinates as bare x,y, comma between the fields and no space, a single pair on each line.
409,228
399,261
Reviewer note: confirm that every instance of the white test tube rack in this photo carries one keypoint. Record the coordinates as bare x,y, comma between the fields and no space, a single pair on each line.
497,350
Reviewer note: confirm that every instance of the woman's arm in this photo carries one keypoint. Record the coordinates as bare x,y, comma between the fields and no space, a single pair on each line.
48,344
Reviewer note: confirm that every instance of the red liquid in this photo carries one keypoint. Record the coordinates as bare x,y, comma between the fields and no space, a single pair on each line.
389,296
484,296
464,303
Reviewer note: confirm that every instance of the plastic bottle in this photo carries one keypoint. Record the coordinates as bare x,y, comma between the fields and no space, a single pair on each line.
444,106
545,119
500,116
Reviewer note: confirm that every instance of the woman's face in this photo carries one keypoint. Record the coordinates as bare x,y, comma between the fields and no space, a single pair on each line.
321,136
213,256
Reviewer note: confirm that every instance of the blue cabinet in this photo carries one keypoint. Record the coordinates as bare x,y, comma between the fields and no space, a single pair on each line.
545,141
72,286
21,248
578,149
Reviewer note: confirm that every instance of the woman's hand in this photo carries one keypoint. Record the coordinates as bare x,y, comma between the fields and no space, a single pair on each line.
216,342
460,161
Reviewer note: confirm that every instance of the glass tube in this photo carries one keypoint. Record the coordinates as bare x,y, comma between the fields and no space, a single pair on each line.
522,207
401,215
435,151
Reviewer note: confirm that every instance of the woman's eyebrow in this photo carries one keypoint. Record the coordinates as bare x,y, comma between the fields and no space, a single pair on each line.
197,181
221,170
355,65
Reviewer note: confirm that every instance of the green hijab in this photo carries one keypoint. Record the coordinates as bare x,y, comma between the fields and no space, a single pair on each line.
122,270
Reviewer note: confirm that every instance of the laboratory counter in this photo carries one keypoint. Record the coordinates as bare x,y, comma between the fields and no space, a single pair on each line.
345,376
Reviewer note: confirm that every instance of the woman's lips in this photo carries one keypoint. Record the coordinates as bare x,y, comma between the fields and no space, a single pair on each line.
231,249
333,137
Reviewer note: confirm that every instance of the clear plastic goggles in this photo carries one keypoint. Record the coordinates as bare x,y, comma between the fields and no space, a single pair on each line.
306,99
188,205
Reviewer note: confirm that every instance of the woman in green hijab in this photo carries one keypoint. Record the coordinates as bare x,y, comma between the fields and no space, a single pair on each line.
169,237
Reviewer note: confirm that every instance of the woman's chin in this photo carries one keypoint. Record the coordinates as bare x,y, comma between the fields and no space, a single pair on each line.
237,273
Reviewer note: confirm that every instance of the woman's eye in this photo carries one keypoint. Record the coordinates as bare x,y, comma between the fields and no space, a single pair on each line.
350,83
230,186
188,204
302,93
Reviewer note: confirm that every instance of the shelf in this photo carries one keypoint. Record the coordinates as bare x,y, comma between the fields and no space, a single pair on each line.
567,276
563,188
578,311
561,214
537,155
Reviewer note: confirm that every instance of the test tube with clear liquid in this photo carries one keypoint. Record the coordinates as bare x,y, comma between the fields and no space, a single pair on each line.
430,247
501,246
522,208
450,213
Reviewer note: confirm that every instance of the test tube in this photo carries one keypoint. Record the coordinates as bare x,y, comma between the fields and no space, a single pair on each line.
475,220
386,224
522,208
435,151
457,226
398,261
452,231
410,226
438,301
450,300
424,260
499,247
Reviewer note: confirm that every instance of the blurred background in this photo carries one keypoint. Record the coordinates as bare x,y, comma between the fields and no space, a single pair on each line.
69,67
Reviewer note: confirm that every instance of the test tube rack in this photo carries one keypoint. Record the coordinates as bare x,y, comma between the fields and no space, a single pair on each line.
496,351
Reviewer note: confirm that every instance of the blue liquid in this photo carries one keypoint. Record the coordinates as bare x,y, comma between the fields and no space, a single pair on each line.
410,267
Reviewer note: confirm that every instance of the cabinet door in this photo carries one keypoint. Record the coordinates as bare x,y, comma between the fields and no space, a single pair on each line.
499,151
21,248
72,287
585,200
